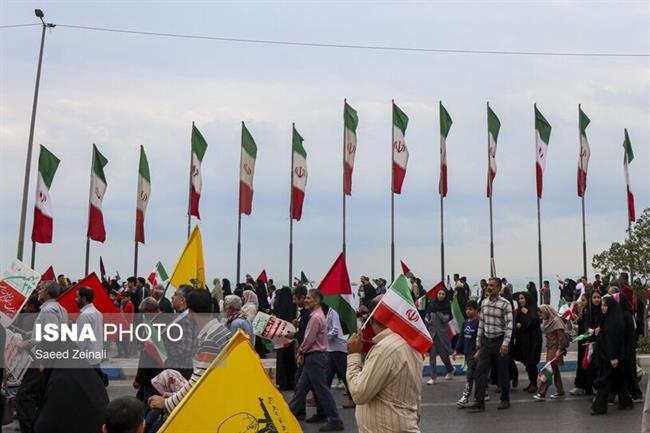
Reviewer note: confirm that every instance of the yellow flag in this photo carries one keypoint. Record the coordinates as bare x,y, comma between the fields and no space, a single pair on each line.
190,269
234,395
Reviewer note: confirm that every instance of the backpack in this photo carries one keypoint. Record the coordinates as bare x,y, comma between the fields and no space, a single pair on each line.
569,333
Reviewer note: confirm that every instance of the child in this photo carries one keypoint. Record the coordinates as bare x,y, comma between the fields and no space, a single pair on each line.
466,344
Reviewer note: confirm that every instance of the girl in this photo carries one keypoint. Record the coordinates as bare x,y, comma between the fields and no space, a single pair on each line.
610,348
438,315
554,332
582,382
527,338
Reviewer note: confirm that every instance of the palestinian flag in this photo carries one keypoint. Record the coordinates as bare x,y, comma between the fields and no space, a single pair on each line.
397,311
424,300
298,175
337,293
350,120
303,280
457,318
43,221
144,191
542,138
627,159
246,171
49,274
585,152
158,275
96,230
199,146
400,151
262,277
406,271
494,125
445,126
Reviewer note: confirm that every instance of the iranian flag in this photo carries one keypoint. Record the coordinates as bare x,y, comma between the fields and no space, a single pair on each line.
445,126
397,311
199,146
246,171
337,293
144,191
494,125
96,230
457,318
400,151
43,221
158,275
585,152
350,120
298,175
542,138
627,159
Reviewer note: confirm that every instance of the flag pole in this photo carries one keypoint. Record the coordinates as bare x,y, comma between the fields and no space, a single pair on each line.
392,199
33,254
135,260
442,221
89,195
492,268
189,195
582,202
238,245
539,222
293,127
343,188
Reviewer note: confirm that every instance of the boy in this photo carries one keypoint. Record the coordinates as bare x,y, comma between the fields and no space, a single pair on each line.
466,344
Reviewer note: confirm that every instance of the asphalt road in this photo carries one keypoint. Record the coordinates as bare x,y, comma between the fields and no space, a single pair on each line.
440,414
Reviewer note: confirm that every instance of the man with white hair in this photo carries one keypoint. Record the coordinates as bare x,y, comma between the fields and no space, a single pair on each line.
235,318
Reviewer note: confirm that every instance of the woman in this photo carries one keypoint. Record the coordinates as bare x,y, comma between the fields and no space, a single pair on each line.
438,315
582,382
217,295
527,337
225,286
251,304
629,356
555,336
610,347
532,291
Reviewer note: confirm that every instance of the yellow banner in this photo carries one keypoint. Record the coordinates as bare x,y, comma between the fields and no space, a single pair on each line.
190,268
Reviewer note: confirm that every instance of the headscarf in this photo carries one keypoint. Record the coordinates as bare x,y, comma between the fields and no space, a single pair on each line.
552,320
250,305
217,291
612,326
226,287
250,297
438,306
530,303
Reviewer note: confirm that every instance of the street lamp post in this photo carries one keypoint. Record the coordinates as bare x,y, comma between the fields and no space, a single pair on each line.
30,145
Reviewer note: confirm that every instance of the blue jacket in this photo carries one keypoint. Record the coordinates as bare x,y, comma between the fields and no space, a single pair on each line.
466,343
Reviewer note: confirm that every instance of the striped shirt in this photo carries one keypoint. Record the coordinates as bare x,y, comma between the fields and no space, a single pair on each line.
495,320
386,388
212,339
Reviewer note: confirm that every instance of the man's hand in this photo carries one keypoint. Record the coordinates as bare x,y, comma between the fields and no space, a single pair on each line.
477,353
504,350
453,355
156,402
355,344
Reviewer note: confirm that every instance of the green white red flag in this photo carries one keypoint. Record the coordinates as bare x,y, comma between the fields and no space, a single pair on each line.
298,175
199,146
585,152
627,159
457,318
397,311
144,191
400,151
42,228
158,275
337,292
494,125
350,120
445,126
98,185
542,138
246,171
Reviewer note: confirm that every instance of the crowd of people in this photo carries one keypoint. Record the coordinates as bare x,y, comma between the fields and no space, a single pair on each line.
499,328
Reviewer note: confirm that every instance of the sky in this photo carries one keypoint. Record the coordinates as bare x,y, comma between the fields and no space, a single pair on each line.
123,90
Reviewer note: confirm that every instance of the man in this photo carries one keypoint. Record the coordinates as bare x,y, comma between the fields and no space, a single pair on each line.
212,338
180,353
158,293
148,366
124,415
299,296
545,293
482,287
235,319
89,315
368,290
492,345
386,387
337,351
581,287
314,352
597,283
139,293
63,282
32,386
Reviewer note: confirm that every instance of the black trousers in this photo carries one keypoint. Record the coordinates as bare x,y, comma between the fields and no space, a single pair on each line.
285,372
611,380
28,398
490,356
337,365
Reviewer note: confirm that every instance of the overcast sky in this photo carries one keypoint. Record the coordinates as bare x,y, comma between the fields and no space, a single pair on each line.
123,90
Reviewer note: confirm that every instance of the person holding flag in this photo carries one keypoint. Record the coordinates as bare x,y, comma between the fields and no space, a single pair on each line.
555,350
438,315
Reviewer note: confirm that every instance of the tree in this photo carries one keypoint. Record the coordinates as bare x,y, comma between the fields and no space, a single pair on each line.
633,255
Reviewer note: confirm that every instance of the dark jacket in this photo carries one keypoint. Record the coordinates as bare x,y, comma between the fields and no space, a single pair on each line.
466,343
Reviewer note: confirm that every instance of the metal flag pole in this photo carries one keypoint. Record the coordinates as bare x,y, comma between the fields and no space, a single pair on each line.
30,143
189,195
343,187
492,268
239,216
33,261
293,127
135,260
392,200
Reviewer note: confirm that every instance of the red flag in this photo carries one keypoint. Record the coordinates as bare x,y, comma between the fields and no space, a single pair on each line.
49,274
102,269
262,277
101,300
433,292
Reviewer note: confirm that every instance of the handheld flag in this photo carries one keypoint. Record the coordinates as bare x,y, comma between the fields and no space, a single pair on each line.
262,277
246,171
102,269
49,274
350,121
102,302
494,126
422,302
190,268
457,318
144,191
337,292
253,403
199,146
43,217
98,185
400,151
585,152
627,159
542,138
298,175
445,126
158,275
405,270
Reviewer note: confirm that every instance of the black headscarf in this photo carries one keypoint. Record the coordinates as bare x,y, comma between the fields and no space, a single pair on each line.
438,306
531,289
262,296
531,305
593,315
610,343
225,285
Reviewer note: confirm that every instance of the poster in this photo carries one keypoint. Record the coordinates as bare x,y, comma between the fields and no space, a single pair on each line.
16,362
16,284
274,329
